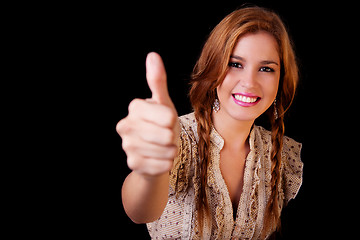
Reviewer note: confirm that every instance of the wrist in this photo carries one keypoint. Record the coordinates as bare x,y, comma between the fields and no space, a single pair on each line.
152,179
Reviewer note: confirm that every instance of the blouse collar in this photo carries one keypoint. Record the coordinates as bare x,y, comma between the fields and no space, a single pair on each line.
218,141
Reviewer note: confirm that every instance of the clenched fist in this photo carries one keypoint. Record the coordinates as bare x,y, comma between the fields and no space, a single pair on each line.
151,129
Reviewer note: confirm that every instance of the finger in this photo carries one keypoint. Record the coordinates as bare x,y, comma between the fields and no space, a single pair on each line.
155,134
151,112
139,149
156,79
149,150
150,166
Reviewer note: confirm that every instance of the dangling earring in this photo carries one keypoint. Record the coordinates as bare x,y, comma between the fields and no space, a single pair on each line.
275,110
216,105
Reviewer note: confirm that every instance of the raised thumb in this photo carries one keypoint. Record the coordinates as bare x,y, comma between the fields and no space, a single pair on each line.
156,79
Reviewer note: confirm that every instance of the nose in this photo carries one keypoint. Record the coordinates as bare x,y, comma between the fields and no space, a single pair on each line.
248,78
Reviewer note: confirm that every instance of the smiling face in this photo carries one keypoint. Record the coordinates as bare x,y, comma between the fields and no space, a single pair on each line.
251,83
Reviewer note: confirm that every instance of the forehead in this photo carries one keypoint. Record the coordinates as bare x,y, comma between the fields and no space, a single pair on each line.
257,46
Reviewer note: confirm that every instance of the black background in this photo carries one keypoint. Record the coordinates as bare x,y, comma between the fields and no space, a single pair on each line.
87,62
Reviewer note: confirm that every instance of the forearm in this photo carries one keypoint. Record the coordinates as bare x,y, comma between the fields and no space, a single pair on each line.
144,198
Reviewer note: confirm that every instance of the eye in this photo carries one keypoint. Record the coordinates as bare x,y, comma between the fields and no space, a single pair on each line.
266,69
235,65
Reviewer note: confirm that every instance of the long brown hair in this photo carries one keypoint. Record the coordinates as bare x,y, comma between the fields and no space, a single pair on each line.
210,71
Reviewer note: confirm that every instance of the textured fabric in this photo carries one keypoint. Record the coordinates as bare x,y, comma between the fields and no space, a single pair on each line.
179,219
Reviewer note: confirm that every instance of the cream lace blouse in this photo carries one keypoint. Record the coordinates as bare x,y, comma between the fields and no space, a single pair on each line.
178,220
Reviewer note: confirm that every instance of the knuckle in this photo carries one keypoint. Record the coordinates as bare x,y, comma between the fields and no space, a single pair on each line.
168,136
121,126
159,167
134,104
173,152
169,117
124,145
167,165
128,146
172,118
133,163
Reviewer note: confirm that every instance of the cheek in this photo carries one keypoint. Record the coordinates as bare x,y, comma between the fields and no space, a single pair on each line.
225,88
270,89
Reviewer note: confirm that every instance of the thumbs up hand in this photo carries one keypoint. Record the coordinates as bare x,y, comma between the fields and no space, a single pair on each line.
150,132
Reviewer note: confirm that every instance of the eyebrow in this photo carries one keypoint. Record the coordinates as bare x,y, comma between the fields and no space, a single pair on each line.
262,62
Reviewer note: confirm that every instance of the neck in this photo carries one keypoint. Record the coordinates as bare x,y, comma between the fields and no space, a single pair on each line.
234,132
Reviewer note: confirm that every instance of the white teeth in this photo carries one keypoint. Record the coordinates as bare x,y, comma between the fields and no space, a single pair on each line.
245,99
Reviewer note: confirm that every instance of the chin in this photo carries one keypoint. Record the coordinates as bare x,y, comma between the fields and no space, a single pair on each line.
245,115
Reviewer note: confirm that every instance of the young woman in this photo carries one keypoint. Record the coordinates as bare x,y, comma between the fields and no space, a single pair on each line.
214,174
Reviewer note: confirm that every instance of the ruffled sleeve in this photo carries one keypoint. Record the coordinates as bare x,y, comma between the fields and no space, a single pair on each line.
183,168
292,168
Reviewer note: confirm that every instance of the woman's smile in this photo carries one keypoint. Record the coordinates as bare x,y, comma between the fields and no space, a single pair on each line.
245,99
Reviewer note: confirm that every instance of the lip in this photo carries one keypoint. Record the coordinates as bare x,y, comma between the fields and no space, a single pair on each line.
246,104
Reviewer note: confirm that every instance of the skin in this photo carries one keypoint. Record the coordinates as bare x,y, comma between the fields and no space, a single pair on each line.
151,130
